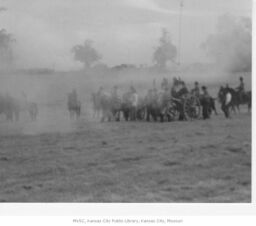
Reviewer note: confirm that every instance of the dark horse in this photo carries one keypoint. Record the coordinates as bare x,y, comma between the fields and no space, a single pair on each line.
237,99
243,98
10,107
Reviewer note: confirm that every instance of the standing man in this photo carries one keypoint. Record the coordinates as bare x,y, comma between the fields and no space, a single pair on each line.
241,89
134,102
196,90
205,103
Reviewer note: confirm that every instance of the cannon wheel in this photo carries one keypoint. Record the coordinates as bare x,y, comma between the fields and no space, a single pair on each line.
172,112
192,107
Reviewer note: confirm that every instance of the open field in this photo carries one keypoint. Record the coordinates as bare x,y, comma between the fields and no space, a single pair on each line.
87,161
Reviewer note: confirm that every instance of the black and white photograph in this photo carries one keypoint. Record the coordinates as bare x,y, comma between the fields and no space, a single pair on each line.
125,101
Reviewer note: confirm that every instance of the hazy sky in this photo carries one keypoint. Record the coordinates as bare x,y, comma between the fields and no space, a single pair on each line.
123,31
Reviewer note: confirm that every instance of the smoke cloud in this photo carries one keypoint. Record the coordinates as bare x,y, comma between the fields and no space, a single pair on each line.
231,46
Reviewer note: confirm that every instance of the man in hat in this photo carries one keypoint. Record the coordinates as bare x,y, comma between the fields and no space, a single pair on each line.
183,90
240,88
205,103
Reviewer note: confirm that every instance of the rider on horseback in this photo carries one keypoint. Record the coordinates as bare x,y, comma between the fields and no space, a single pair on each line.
196,90
241,89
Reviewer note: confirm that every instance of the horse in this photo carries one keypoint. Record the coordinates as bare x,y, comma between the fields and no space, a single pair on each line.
156,105
110,106
238,98
9,106
245,98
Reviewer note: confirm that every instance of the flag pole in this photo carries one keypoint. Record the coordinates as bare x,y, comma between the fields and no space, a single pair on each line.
179,43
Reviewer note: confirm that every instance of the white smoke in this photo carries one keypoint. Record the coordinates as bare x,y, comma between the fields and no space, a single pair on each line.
231,46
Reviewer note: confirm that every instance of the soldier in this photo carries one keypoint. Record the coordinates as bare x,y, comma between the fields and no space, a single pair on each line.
240,88
183,91
205,103
134,102
164,84
196,90
174,89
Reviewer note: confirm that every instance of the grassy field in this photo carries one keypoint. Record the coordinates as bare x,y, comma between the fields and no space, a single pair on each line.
89,161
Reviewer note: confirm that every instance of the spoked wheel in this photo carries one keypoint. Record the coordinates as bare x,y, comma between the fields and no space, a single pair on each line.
172,111
192,107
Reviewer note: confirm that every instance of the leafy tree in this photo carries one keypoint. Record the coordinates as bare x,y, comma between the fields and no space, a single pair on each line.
6,53
86,54
165,52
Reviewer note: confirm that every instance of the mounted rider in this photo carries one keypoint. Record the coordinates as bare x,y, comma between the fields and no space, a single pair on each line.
241,89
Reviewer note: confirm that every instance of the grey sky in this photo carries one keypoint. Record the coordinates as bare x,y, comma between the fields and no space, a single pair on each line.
123,31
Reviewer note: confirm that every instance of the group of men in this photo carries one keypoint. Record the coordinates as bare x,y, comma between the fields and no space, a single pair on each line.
178,90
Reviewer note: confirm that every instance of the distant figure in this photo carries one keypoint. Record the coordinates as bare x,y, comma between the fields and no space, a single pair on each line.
196,90
183,90
175,87
205,101
164,84
240,89
134,102
74,106
226,97
33,110
178,92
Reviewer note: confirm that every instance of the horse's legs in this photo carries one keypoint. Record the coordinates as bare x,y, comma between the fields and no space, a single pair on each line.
118,116
223,108
238,108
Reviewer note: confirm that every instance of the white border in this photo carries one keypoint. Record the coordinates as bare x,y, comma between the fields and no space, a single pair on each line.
118,209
